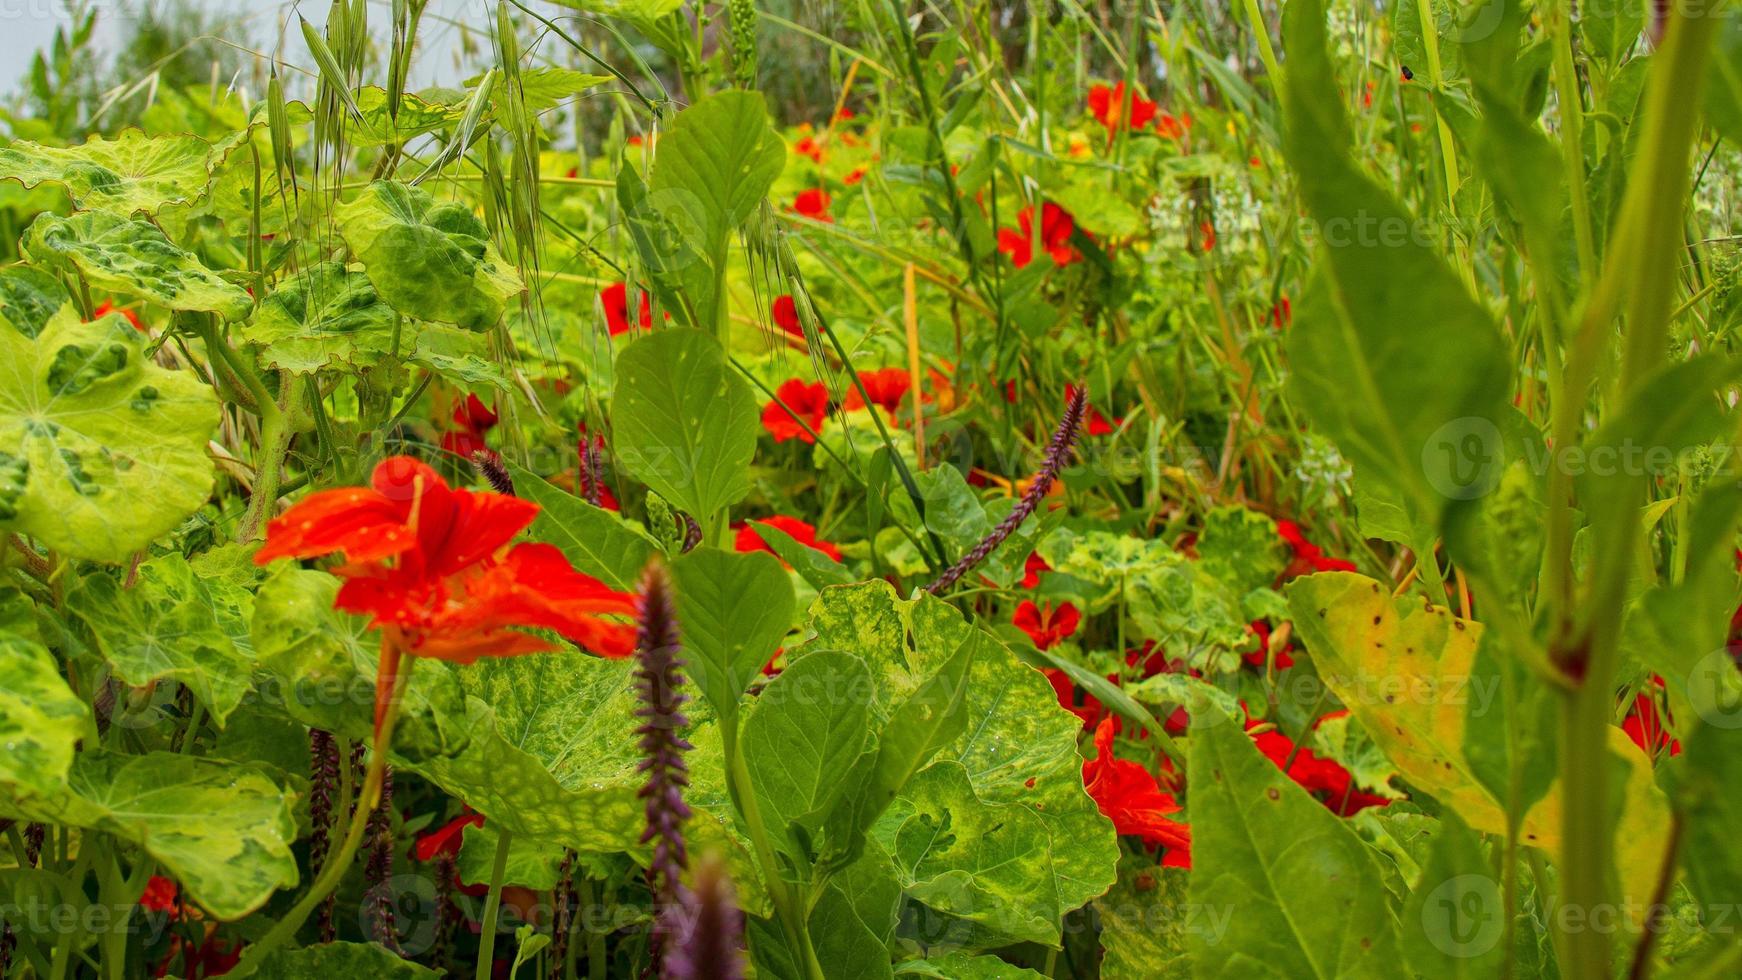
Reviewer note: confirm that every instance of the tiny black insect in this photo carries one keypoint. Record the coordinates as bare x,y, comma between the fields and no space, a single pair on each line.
1407,74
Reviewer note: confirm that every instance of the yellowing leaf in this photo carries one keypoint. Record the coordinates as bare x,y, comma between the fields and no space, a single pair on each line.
1405,670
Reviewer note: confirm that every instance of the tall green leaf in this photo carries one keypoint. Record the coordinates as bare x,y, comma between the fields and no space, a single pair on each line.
712,170
733,609
683,423
1391,356
1306,893
803,738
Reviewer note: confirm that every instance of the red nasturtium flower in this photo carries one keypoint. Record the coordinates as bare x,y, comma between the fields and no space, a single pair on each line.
433,569
805,534
813,203
807,146
1308,557
1090,710
808,401
1107,104
854,176
1047,625
1052,237
1129,796
615,299
886,386
1644,725
1031,569
785,312
1172,127
1325,779
445,841
160,896
1258,657
472,421
1281,313
106,307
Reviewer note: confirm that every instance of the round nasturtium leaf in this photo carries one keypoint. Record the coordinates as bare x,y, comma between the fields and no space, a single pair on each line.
132,256
28,297
41,719
431,260
101,451
129,174
324,315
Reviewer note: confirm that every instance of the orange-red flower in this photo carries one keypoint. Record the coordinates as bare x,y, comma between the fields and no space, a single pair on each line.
1260,656
1281,313
615,299
805,534
1031,569
1046,626
1325,779
809,402
813,203
854,176
1065,689
432,566
808,146
886,386
444,842
1053,236
1129,796
1644,725
1308,557
1107,105
785,313
1172,127
472,421
106,307
161,895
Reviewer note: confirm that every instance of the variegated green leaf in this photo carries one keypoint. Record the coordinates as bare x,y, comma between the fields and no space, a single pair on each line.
132,257
223,830
130,174
324,315
173,625
41,720
101,451
552,753
431,260
29,296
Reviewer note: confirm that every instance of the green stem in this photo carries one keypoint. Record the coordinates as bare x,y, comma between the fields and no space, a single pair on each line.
333,871
114,894
1640,270
792,919
74,895
492,907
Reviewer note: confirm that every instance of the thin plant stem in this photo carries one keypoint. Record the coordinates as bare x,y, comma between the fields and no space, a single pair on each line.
492,908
